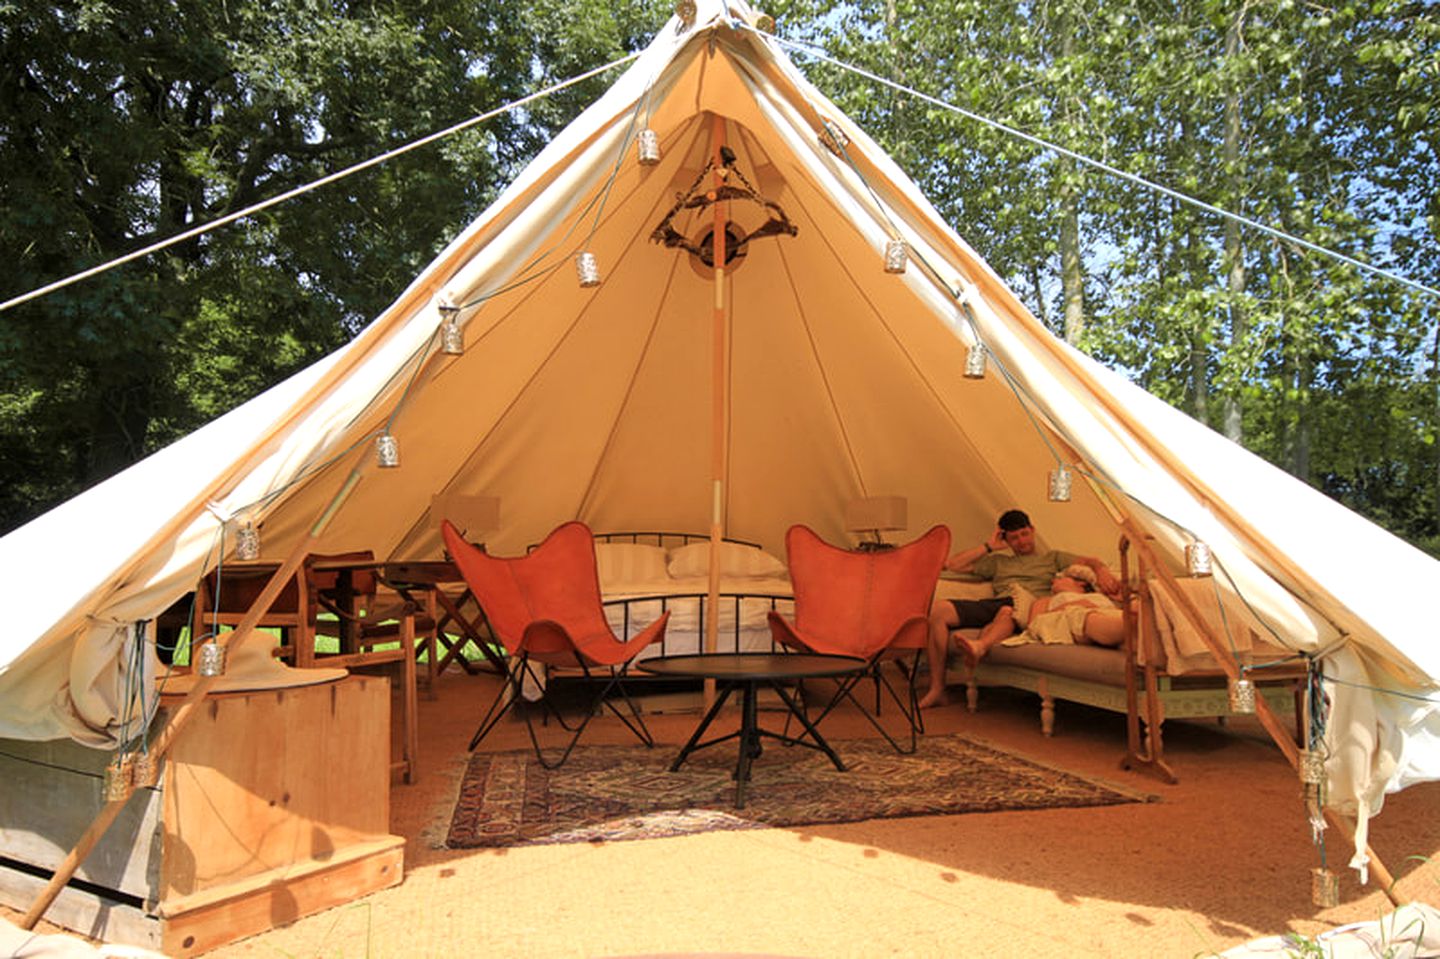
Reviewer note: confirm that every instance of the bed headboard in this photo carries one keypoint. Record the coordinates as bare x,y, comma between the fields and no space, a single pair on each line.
656,538
665,539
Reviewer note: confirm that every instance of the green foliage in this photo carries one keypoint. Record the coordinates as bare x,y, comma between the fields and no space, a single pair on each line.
121,123
125,123
1329,373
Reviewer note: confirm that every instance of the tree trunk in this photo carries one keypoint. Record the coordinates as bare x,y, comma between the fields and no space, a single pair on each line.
119,422
1231,412
1300,440
1071,272
1072,276
1435,379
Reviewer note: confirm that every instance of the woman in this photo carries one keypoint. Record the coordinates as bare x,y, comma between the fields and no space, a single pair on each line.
1073,613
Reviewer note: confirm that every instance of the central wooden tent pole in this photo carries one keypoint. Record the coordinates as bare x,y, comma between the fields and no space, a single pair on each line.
238,637
717,400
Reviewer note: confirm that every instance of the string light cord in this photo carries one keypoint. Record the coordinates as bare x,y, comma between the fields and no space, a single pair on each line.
1021,394
961,296
313,185
1433,698
539,269
811,50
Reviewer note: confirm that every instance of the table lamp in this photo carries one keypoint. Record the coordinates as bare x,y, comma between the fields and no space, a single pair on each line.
875,515
474,516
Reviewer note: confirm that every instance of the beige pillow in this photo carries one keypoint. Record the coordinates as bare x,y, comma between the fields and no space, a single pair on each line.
736,560
622,563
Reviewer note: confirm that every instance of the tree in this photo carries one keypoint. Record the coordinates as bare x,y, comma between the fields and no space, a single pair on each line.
1285,113
123,123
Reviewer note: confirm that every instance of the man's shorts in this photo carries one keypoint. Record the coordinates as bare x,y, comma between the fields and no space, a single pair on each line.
975,613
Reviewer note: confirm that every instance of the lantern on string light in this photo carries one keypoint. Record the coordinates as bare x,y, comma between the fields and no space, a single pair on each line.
210,661
452,337
387,450
647,147
116,781
1198,560
1324,888
1059,486
1241,692
975,362
895,255
685,10
247,542
587,269
1311,766
766,23
144,771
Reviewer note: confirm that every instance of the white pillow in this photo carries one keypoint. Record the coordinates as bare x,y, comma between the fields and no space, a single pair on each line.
735,560
623,563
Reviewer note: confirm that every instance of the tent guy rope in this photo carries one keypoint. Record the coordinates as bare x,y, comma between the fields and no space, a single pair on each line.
308,187
810,50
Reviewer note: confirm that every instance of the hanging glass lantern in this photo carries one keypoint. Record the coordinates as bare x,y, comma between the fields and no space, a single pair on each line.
766,23
1324,888
647,146
1198,559
1311,766
1242,695
211,660
144,772
895,256
1059,488
975,362
387,450
452,337
116,781
685,10
588,270
247,542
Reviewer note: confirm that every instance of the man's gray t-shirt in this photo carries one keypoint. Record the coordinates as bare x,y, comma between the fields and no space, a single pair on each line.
1034,572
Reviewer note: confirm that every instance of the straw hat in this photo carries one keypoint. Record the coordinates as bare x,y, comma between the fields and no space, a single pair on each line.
1081,572
253,666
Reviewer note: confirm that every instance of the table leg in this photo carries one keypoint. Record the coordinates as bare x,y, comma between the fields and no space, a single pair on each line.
469,630
799,714
694,742
432,645
749,742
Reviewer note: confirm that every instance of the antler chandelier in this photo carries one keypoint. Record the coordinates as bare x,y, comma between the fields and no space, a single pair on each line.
735,187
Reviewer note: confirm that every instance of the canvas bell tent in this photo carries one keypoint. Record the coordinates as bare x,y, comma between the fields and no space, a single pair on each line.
662,397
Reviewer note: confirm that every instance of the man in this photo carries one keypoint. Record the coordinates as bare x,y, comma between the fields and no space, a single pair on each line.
1022,571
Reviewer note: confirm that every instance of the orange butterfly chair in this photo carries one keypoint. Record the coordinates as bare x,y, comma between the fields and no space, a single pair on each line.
545,607
874,605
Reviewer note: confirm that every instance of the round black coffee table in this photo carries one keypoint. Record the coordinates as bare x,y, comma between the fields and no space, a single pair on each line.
748,672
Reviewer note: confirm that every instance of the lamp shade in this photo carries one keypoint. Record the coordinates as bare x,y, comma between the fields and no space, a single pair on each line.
473,515
875,513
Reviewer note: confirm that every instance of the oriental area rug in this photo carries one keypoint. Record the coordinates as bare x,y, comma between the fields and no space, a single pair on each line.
611,793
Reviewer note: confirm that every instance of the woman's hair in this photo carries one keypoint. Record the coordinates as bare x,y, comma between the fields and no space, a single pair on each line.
1082,574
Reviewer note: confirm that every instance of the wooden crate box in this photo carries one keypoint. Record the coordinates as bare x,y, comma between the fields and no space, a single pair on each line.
272,805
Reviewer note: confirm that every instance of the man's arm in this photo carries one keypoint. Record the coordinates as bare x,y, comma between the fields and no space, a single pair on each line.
1108,582
965,560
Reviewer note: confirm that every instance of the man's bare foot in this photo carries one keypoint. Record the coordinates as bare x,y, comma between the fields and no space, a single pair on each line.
970,650
935,697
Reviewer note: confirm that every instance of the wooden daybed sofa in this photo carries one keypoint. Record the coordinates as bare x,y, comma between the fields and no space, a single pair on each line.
1165,670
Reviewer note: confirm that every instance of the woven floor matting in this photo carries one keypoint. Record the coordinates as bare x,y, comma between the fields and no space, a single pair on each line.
608,793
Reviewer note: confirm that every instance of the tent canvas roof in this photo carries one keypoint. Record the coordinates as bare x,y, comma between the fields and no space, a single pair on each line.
595,403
